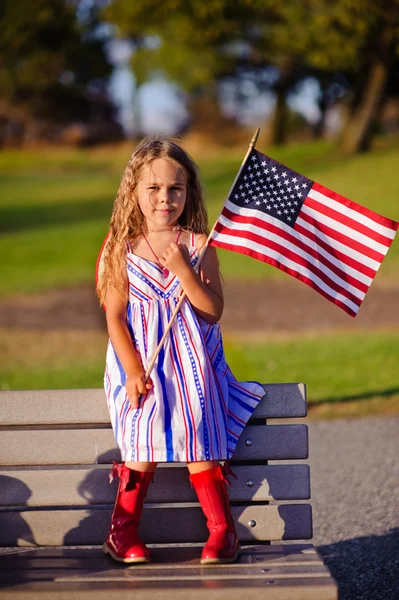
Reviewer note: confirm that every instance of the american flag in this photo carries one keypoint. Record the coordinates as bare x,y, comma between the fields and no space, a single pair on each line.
301,227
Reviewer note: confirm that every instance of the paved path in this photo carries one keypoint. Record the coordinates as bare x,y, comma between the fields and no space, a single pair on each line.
355,498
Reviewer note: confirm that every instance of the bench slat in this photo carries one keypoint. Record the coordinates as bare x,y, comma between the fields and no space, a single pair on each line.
52,407
88,446
82,486
159,525
72,572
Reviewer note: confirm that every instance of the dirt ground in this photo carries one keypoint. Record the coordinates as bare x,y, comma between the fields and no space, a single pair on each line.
251,309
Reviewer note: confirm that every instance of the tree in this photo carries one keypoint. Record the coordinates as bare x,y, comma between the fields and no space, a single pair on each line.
201,42
50,62
376,56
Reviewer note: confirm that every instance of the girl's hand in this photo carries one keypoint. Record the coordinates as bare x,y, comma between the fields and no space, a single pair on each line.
176,258
135,386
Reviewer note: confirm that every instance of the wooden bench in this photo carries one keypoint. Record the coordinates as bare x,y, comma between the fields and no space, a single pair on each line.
56,449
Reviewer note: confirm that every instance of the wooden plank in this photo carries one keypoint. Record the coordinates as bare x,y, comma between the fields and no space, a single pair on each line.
52,407
162,557
91,446
160,524
285,570
79,486
207,589
282,400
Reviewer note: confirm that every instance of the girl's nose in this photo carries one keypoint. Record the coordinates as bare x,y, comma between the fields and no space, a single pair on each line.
165,197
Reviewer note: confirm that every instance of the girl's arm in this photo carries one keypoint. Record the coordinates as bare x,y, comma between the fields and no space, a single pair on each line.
204,290
122,342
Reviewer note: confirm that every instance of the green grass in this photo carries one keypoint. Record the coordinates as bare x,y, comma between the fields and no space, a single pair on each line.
56,203
335,367
344,374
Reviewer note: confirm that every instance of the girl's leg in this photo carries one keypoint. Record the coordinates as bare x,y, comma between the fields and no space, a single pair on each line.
201,465
123,542
209,481
144,467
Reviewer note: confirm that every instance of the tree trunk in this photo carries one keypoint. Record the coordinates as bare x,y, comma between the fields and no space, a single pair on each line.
318,128
279,121
358,131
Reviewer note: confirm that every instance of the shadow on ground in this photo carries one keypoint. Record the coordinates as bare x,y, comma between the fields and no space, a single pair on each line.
365,568
385,393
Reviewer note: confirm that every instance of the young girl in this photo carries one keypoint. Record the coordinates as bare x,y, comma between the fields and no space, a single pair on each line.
191,409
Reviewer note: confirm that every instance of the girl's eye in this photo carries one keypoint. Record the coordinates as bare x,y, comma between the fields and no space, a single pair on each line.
153,187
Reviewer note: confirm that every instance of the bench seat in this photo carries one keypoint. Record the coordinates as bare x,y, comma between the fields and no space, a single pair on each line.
293,571
56,449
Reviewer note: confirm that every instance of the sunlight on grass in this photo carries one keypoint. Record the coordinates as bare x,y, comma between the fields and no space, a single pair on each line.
56,204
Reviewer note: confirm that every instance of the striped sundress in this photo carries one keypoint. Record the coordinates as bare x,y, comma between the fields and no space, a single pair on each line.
196,409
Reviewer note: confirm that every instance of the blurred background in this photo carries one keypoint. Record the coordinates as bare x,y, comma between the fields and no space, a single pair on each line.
82,80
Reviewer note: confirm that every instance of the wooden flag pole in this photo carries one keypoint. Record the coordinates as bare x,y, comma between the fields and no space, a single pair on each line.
203,250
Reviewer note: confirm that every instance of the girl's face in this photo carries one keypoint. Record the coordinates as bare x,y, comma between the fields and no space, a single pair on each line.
161,193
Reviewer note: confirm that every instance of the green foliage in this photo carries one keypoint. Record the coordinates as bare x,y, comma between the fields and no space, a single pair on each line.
199,39
41,41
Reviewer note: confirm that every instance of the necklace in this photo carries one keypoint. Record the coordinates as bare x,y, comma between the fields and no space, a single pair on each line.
165,271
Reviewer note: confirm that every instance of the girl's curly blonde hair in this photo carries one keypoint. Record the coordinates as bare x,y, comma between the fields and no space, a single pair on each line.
127,221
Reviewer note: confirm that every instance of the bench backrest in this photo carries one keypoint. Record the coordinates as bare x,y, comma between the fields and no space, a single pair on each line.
56,449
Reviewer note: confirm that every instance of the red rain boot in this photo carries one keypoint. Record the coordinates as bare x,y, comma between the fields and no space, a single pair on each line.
123,542
222,545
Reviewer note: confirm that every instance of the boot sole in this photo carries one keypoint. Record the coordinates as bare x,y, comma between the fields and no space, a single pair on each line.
139,559
221,561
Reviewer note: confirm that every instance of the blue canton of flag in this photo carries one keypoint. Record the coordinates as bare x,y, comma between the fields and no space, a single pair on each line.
272,188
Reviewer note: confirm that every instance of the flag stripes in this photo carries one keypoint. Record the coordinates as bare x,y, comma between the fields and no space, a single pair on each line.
357,212
283,218
334,273
296,258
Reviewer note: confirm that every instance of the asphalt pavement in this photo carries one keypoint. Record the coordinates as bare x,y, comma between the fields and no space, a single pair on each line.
355,498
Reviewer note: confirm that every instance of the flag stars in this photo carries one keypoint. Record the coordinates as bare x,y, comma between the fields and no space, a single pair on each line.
257,203
284,174
263,163
299,195
294,180
304,185
297,187
274,169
